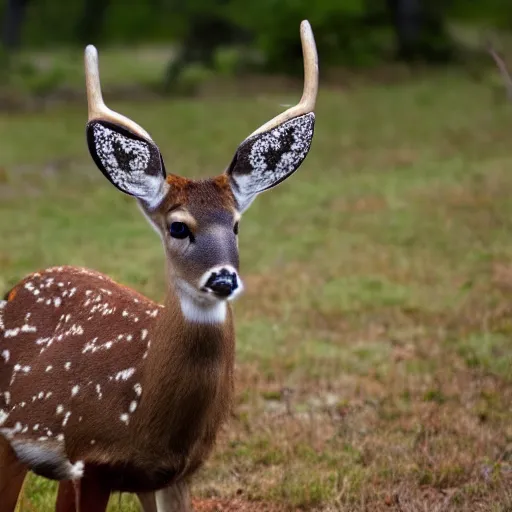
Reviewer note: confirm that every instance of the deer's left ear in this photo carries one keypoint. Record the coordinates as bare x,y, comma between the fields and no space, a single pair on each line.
264,160
276,149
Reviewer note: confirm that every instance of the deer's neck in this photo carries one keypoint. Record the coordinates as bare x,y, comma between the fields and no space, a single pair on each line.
188,373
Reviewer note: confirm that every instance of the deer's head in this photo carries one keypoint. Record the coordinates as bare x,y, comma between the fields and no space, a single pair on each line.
197,220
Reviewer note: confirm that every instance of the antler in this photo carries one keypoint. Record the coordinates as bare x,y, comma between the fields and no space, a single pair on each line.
308,100
96,105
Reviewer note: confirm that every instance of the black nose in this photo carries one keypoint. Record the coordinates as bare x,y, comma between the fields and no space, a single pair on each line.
222,283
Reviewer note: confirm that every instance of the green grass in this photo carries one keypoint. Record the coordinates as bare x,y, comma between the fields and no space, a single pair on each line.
375,336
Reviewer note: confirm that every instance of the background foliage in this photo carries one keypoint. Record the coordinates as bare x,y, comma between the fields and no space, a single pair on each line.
349,32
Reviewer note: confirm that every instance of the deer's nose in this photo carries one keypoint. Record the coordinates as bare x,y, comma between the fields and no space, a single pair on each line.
222,282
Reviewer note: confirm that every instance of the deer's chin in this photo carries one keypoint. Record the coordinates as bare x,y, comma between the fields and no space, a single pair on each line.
210,297
201,297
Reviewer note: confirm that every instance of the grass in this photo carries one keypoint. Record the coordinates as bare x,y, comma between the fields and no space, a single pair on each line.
374,360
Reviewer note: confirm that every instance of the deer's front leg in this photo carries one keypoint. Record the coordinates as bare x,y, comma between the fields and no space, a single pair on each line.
84,495
175,498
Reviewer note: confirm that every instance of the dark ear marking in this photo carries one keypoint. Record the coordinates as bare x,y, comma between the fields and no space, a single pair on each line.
130,162
266,159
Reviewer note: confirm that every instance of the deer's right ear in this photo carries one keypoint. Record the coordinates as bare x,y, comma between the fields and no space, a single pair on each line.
122,150
130,162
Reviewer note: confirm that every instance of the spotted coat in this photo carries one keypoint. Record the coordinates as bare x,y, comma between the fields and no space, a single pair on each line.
74,349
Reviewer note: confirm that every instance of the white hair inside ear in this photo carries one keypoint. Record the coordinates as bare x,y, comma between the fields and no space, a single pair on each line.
266,159
132,164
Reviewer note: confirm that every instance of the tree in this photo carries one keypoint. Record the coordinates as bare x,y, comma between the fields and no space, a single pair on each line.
14,16
91,22
420,31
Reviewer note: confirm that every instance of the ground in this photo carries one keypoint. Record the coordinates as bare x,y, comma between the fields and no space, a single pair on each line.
374,356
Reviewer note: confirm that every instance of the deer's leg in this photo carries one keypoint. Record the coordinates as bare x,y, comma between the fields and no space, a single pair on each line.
85,495
175,498
12,475
147,501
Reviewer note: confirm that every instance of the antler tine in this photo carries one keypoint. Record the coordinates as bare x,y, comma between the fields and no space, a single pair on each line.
96,106
308,100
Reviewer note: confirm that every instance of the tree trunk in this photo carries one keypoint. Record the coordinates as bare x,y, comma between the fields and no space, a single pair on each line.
420,31
13,23
90,25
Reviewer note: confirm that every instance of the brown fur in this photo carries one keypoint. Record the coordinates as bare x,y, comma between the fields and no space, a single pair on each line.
201,192
100,374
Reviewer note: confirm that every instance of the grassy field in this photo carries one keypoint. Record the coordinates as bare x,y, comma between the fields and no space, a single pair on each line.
374,355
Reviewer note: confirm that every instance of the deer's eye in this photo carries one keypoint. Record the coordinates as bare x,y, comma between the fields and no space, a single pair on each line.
179,230
235,228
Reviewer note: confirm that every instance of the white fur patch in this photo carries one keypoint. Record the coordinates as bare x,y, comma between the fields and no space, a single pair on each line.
203,313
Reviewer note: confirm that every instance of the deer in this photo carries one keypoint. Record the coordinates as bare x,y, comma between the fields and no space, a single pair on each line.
105,390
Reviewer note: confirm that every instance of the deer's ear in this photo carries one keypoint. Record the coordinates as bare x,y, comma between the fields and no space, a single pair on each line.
130,162
264,160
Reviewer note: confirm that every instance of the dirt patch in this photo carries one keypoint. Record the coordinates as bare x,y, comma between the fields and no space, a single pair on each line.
238,505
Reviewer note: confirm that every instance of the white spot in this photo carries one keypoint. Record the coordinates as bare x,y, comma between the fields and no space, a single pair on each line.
77,471
60,409
125,418
49,368
76,330
98,390
75,390
11,333
138,389
67,365
133,406
144,333
124,374
66,418
93,441
57,301
3,417
60,437
36,427
40,395
6,355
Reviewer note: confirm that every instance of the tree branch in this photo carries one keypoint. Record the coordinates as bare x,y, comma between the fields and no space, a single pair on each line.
503,70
